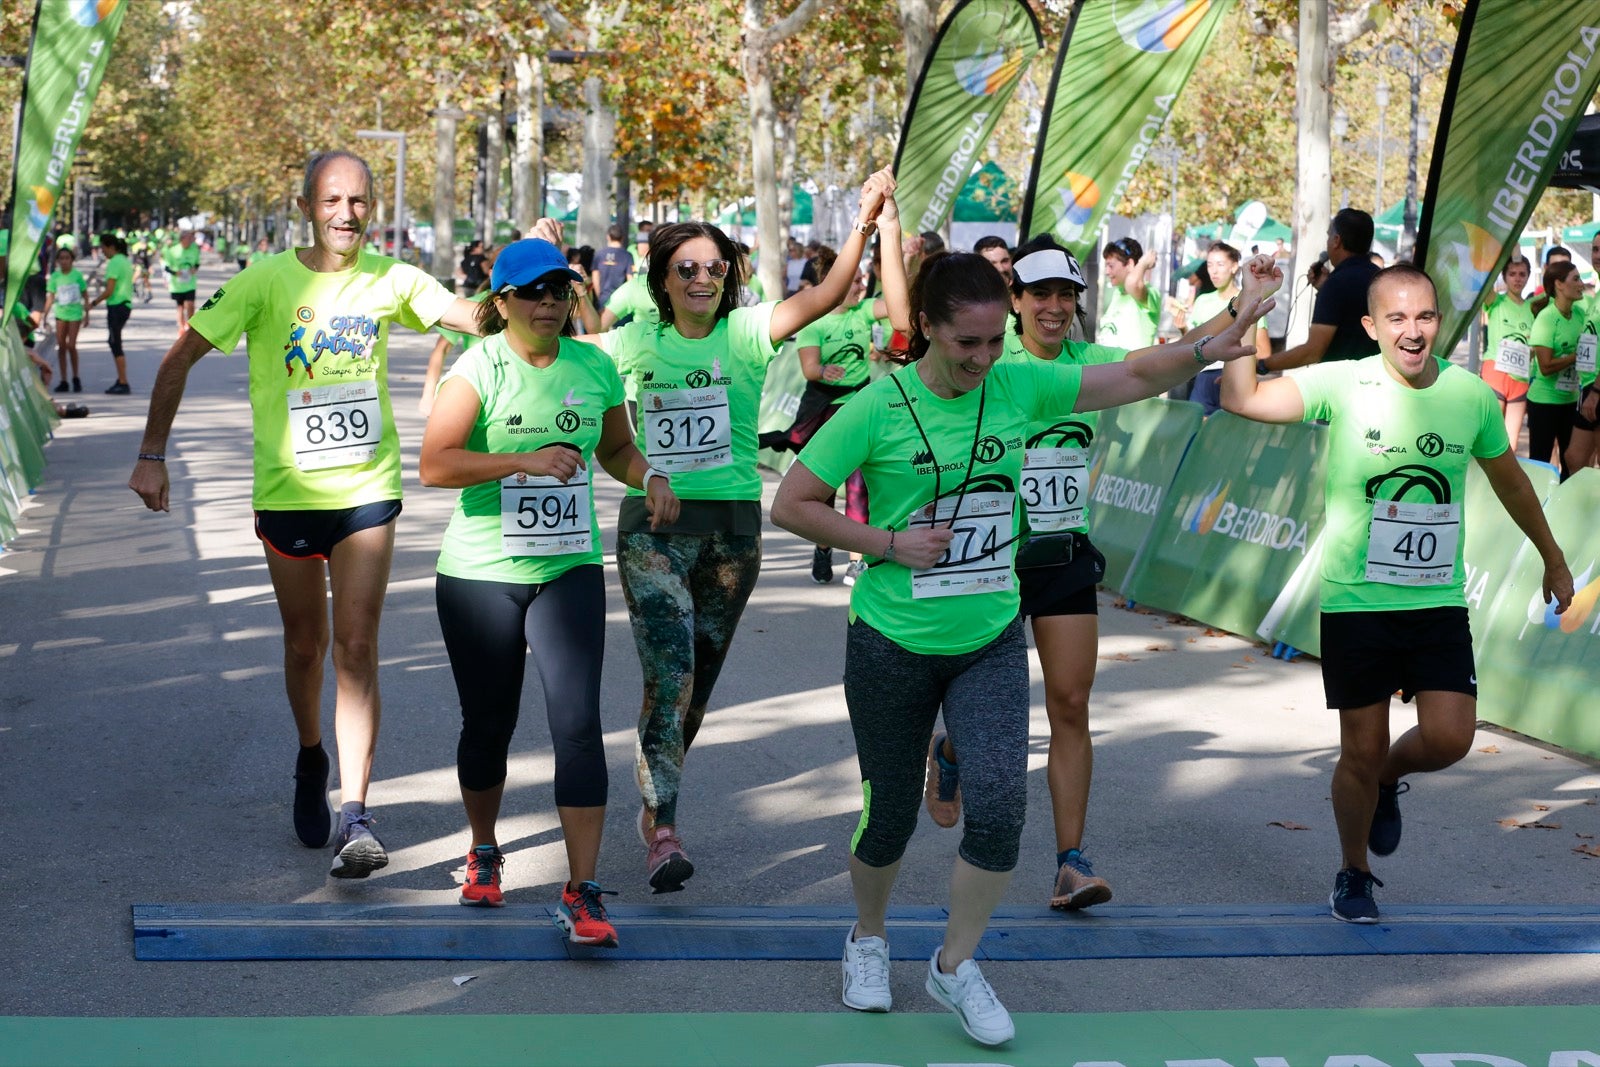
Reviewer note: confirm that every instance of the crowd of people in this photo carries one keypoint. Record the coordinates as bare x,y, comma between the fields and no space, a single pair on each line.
954,398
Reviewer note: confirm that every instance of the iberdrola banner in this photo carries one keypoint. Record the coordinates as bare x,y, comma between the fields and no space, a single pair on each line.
1522,77
982,51
66,59
1121,67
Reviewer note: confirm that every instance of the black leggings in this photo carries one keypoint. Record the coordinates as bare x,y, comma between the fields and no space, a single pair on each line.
116,319
894,695
1549,425
488,629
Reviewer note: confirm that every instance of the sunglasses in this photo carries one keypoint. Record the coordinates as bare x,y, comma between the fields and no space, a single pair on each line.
559,290
689,270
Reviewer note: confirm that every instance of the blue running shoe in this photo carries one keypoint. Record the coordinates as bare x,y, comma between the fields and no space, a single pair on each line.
1351,900
944,785
357,850
1384,836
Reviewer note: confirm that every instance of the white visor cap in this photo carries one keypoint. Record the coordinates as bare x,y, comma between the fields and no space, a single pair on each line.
1046,265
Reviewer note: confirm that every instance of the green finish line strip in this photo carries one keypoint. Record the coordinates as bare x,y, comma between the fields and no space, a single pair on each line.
352,931
1427,1037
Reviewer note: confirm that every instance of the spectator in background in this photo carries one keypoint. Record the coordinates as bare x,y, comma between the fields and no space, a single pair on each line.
811,271
1129,318
612,265
996,251
581,259
472,275
1336,329
793,266
1222,269
1541,299
1509,320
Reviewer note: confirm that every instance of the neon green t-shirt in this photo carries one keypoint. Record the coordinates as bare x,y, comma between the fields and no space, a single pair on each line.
182,264
843,338
68,289
1050,490
1559,333
1128,323
1588,340
258,256
1390,443
1508,321
906,468
319,383
526,408
699,400
119,270
632,297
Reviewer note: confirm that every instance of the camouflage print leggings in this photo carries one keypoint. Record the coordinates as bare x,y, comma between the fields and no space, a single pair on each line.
685,594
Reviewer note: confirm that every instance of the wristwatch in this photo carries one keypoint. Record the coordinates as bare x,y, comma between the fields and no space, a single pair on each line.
1199,350
1233,307
865,229
651,472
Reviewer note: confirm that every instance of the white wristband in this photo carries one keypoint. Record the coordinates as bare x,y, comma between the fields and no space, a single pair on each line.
651,472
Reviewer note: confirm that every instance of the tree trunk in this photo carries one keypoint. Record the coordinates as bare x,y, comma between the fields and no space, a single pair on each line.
787,162
528,149
764,173
599,142
444,190
624,205
917,25
1314,185
494,159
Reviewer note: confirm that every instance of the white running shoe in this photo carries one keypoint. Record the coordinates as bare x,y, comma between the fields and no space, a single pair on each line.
866,973
969,995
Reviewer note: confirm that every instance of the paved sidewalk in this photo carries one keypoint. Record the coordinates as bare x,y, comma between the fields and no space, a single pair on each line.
147,752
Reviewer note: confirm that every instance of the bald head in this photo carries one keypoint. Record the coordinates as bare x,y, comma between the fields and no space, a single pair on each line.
1390,278
316,163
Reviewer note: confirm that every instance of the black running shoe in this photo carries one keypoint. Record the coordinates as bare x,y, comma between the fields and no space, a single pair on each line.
313,817
1384,836
1351,900
120,389
822,565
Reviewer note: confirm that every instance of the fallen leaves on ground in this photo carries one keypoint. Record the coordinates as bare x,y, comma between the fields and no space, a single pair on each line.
1541,807
1518,825
1490,749
1586,837
1287,825
1588,850
1120,657
1158,648
1209,632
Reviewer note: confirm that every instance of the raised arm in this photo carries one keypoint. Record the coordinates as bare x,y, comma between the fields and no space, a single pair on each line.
809,305
1152,371
895,304
1134,282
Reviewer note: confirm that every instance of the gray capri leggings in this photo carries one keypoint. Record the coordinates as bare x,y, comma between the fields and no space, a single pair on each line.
894,696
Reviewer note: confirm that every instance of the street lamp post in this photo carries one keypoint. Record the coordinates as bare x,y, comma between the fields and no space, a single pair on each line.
399,138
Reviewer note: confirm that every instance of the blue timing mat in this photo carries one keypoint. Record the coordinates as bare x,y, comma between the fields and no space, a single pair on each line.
451,932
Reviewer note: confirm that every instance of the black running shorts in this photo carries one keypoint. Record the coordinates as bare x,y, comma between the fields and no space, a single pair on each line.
1367,656
312,534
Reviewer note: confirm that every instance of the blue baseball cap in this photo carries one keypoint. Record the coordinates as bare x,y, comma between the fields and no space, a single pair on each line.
528,260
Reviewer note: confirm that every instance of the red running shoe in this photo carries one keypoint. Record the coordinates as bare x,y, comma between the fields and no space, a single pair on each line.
482,889
582,915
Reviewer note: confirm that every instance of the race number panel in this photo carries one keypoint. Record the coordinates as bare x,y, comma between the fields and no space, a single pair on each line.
1512,358
1586,353
335,425
1567,380
979,557
1413,544
688,429
1055,484
541,516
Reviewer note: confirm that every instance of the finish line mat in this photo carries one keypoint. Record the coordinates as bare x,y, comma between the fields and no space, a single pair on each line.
451,932
1424,1037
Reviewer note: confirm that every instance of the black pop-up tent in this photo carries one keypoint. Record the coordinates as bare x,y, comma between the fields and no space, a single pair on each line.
1579,167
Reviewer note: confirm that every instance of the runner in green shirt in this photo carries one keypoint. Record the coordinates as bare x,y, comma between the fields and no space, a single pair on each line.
1132,307
521,420
65,296
700,370
327,467
1402,427
118,299
1581,449
1505,365
1553,391
934,620
182,264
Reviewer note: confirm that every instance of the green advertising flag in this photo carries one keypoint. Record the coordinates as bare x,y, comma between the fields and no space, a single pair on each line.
71,45
1120,69
1522,77
979,56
